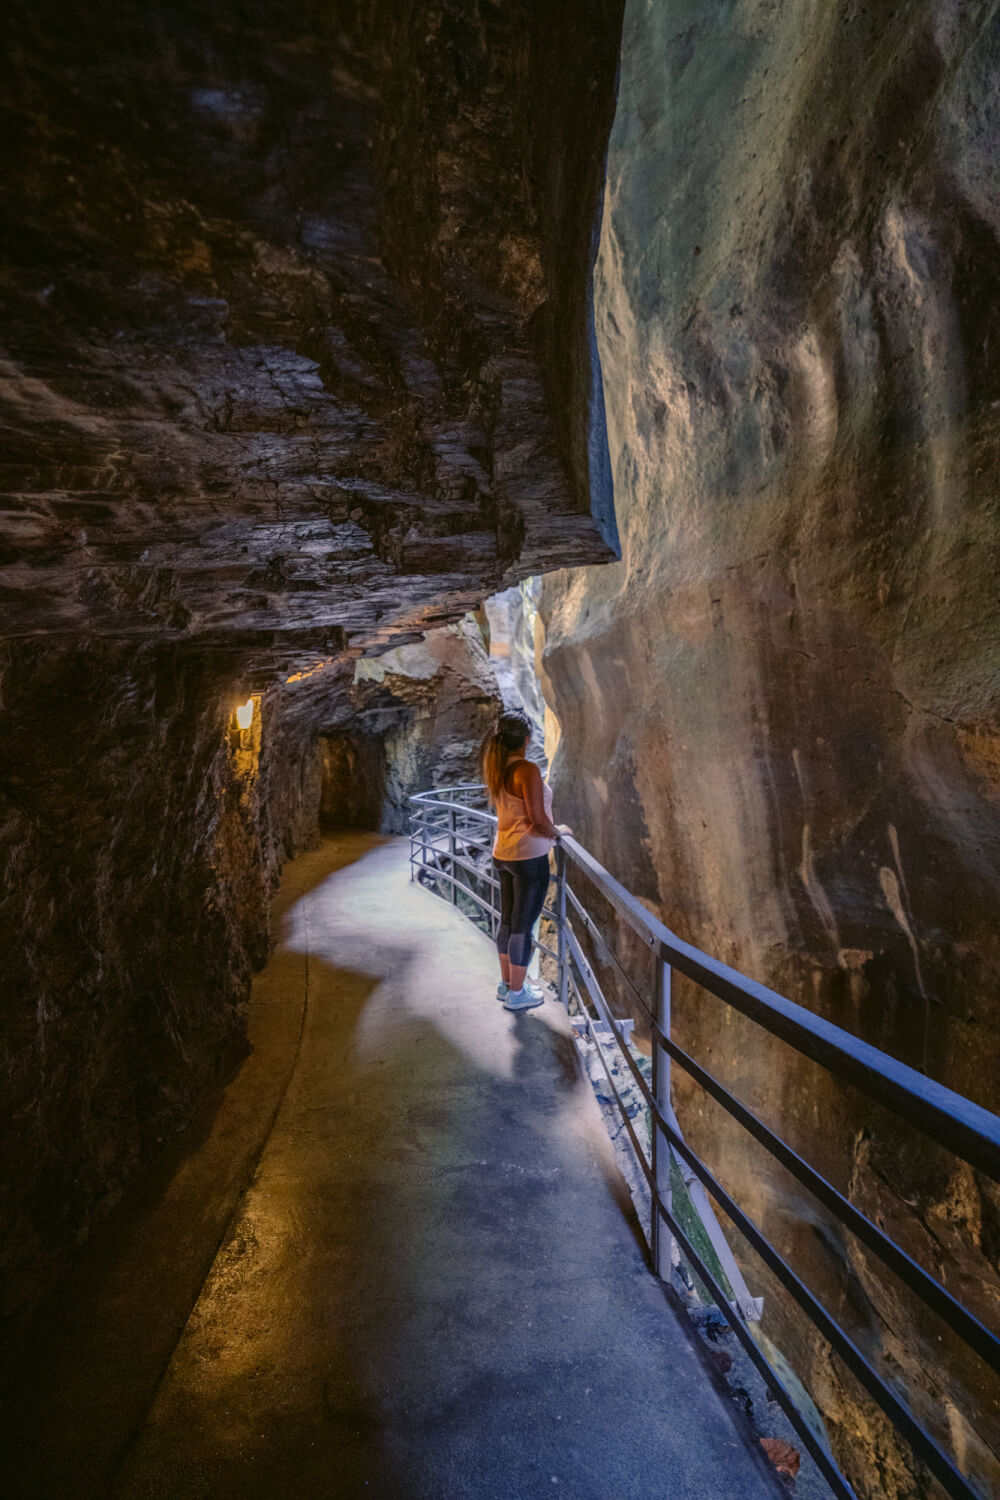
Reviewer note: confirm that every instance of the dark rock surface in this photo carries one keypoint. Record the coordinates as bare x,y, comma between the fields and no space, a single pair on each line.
295,324
781,709
412,718
134,909
281,291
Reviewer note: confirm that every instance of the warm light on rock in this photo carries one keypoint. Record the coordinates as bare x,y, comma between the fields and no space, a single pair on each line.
732,692
244,714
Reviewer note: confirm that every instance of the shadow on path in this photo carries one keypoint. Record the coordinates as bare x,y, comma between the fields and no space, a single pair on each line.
431,1289
433,1284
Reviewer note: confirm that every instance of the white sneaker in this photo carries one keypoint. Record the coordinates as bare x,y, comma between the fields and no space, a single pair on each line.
525,999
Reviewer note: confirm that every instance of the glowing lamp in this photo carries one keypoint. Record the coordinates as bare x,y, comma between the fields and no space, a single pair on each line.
244,714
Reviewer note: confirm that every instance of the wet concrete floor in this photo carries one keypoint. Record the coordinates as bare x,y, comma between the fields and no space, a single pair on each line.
399,1262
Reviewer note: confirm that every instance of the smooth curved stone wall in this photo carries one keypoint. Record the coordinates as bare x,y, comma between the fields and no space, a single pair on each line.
781,708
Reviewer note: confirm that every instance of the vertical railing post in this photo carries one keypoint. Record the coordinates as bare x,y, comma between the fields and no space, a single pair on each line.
661,1241
451,848
561,927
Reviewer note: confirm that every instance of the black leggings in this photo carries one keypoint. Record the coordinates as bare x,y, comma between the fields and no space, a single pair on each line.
523,887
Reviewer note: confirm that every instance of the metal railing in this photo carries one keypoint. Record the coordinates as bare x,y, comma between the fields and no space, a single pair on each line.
451,835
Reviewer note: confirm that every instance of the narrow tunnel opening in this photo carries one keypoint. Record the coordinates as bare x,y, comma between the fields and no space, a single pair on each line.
354,774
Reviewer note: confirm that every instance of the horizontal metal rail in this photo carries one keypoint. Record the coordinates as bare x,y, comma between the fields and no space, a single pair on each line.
821,1455
903,1419
438,871
931,1292
823,1458
604,951
749,1306
965,1128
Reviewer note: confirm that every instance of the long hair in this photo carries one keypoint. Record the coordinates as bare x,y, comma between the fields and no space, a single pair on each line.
499,745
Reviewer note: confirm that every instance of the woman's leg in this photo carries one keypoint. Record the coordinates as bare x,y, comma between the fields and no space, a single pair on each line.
506,880
531,884
517,976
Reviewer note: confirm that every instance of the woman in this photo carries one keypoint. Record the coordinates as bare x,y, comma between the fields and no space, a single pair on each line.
525,834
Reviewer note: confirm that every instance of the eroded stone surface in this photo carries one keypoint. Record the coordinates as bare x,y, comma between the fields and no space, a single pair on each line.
780,710
511,622
279,304
134,908
411,719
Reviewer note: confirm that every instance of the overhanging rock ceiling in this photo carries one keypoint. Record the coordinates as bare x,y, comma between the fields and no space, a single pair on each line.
295,314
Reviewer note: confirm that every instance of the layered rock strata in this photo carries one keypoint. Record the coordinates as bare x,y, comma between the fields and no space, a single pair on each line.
412,719
282,301
781,710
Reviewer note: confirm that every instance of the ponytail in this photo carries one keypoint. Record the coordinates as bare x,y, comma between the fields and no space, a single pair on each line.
510,735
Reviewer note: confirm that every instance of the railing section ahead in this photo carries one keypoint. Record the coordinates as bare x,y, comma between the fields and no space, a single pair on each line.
451,834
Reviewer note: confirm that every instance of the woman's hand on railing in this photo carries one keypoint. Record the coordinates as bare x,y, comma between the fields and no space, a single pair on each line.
564,828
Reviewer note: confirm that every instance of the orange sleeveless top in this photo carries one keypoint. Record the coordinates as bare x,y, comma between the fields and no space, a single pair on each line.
514,840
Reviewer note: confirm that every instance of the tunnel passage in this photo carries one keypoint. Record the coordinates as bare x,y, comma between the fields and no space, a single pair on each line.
354,773
398,722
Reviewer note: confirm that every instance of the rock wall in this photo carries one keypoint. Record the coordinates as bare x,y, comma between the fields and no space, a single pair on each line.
279,310
141,835
134,909
781,709
412,719
511,618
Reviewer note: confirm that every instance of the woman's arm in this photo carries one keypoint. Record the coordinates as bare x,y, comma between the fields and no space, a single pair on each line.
527,779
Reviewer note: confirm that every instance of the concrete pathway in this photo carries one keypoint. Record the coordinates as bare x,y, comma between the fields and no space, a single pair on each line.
429,1286
432,1288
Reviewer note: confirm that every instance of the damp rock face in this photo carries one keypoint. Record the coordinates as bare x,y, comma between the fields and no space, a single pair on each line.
296,332
781,708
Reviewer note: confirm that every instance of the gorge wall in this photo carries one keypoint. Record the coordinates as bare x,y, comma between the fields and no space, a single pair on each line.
511,624
296,329
781,708
412,718
142,834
